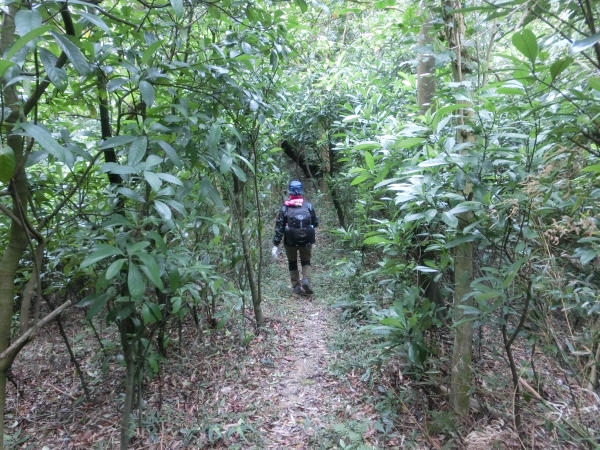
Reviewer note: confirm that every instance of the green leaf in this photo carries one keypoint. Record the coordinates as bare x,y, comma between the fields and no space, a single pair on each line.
593,82
147,91
483,296
460,240
181,209
95,20
114,268
153,180
7,163
73,53
135,282
274,60
171,153
137,150
44,138
58,76
27,20
116,141
151,313
560,66
392,322
369,161
150,51
526,43
375,240
97,303
413,217
117,169
130,193
593,168
302,5
4,66
158,240
359,179
23,41
409,143
584,44
471,310
367,146
169,178
177,8
163,210
450,220
430,214
150,269
102,251
351,118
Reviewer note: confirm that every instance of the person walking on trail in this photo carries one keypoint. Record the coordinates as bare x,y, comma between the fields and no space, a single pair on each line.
296,225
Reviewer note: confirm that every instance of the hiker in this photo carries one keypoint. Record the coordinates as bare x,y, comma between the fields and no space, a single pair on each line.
296,225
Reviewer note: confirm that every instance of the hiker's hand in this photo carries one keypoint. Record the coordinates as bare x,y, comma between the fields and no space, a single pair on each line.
274,252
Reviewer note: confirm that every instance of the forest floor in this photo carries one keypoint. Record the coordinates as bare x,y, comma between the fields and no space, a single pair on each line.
308,380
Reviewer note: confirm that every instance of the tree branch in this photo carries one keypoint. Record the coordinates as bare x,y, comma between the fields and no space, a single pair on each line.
20,343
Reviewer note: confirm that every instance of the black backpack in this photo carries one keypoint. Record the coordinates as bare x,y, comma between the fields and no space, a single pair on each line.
299,229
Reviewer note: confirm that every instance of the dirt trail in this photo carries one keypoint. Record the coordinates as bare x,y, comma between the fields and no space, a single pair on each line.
303,391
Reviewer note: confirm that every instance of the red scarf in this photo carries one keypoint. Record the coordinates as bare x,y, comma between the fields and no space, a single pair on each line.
295,200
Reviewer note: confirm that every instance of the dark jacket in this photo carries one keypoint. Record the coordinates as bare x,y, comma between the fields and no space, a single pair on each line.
282,222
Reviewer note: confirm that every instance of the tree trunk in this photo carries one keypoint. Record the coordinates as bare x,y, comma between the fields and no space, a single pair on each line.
17,240
125,328
426,66
460,381
241,218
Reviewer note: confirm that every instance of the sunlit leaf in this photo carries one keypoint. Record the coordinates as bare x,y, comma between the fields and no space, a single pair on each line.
367,146
24,40
526,42
27,20
584,44
375,240
163,210
177,8
369,161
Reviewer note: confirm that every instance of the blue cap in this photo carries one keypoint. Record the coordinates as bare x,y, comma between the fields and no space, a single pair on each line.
295,188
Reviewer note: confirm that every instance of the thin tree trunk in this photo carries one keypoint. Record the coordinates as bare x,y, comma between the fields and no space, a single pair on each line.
17,239
124,328
239,206
426,66
460,381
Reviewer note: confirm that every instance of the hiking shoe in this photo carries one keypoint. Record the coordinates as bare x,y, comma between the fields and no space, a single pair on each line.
306,286
298,290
